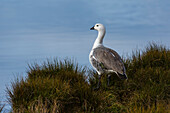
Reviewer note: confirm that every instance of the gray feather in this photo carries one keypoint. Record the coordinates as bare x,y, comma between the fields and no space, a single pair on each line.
108,59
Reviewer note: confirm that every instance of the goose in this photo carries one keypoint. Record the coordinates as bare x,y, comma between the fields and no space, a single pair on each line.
105,60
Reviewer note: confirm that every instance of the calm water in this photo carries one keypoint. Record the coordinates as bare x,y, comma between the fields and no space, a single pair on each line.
32,31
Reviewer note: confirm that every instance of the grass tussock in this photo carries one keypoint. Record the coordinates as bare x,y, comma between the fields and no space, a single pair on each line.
54,86
63,86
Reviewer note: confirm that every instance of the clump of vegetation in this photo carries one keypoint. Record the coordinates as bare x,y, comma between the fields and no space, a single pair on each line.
149,74
147,87
55,86
63,86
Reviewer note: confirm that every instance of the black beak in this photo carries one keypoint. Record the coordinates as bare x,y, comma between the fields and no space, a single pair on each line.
92,28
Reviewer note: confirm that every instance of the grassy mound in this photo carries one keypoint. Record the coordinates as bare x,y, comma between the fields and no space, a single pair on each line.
63,86
54,87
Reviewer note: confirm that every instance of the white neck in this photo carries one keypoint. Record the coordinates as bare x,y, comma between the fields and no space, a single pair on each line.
99,39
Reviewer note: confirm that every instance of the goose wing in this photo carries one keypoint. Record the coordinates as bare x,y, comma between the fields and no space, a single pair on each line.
109,59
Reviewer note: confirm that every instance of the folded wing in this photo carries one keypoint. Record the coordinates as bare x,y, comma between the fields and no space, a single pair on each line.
109,60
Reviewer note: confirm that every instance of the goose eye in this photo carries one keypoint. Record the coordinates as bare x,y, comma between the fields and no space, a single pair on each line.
97,25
